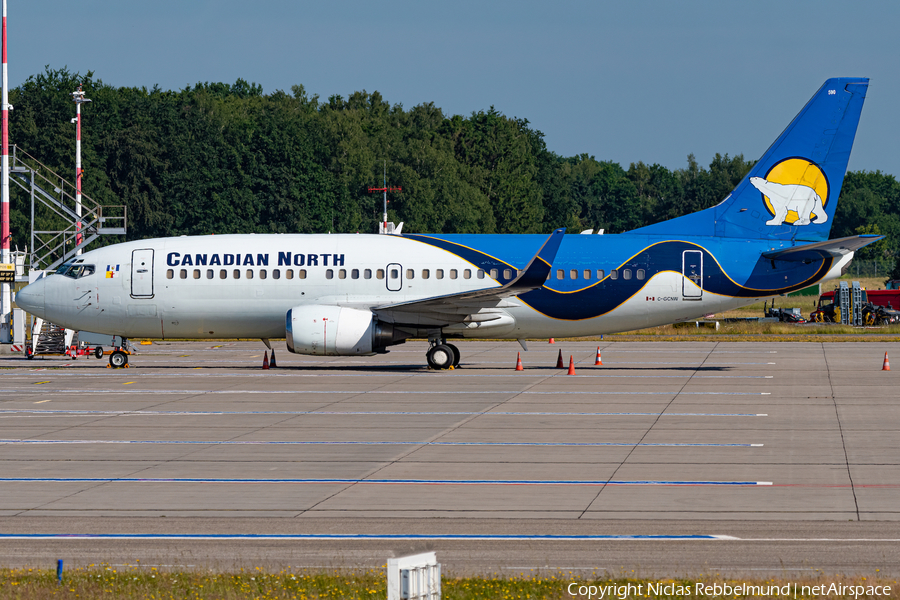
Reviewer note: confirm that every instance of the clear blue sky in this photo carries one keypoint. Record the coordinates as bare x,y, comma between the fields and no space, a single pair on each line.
623,81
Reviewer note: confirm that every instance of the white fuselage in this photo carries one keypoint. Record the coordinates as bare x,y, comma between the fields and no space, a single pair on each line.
193,288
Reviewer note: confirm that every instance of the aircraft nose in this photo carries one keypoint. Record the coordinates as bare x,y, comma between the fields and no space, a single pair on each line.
31,298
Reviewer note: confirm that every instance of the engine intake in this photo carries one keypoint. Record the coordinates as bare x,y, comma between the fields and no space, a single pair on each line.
325,330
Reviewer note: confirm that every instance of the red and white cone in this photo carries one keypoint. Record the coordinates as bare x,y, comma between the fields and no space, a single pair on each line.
265,361
571,365
599,359
887,365
272,362
519,366
559,362
551,341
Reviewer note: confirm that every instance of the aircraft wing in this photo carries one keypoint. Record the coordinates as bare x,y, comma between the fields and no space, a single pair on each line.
471,306
819,250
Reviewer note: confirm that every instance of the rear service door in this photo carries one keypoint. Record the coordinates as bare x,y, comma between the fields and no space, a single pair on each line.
692,269
142,273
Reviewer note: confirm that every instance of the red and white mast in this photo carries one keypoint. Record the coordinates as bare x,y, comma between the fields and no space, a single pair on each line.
5,292
78,97
385,189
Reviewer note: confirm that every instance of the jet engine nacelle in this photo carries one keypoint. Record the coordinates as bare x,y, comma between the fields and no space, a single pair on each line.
325,330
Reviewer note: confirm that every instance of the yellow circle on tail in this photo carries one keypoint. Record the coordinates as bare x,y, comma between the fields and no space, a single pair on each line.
797,171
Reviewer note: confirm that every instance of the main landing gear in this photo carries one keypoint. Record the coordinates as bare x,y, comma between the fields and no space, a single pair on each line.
442,355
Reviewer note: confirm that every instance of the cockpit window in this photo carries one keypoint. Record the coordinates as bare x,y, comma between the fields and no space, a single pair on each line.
76,271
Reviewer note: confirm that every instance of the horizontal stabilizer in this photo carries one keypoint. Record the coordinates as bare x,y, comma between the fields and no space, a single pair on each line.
819,250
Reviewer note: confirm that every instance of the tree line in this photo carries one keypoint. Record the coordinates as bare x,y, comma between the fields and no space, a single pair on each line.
227,158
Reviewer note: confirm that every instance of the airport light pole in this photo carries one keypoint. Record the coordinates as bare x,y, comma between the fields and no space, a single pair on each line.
385,189
6,291
79,99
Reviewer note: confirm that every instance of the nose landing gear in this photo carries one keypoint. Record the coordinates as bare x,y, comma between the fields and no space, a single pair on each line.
118,359
442,355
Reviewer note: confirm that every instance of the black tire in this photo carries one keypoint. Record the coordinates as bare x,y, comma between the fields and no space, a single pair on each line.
440,357
118,359
455,354
98,352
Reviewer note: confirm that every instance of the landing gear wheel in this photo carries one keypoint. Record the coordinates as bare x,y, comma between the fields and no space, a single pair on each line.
98,352
455,354
440,357
118,359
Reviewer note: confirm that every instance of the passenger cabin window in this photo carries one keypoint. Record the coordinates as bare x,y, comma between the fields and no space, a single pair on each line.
626,274
453,273
329,274
410,274
438,273
342,274
467,274
223,274
170,274
210,274
183,274
196,273
560,274
426,273
613,274
395,273
289,274
236,274
354,274
479,273
601,273
507,274
587,274
276,273
379,274
573,274
301,274
249,273
367,274
262,274
494,274
641,273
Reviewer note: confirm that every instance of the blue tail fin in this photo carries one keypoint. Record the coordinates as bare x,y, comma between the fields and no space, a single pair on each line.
792,192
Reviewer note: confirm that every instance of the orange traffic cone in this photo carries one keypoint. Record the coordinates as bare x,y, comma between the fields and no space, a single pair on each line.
887,365
551,341
559,362
265,361
571,366
598,360
272,362
519,366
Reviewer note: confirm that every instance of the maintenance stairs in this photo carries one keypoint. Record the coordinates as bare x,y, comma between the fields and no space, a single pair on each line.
49,338
53,204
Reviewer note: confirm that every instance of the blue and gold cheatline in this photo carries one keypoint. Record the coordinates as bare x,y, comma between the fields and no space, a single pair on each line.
766,279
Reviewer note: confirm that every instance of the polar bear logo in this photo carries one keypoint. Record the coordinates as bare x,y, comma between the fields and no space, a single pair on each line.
801,199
